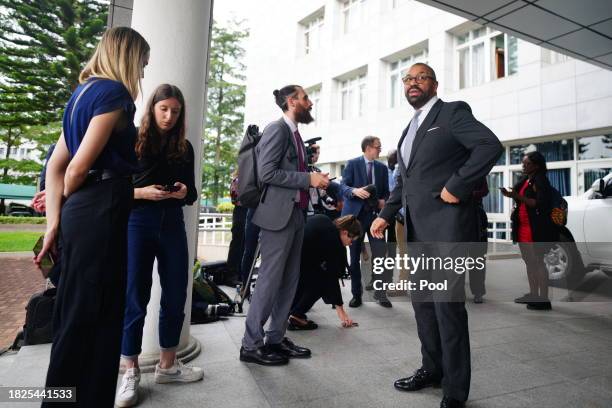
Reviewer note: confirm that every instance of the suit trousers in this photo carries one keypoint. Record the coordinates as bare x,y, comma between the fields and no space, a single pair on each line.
88,314
276,283
442,325
378,248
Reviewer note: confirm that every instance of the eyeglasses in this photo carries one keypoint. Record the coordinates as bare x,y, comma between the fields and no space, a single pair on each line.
419,78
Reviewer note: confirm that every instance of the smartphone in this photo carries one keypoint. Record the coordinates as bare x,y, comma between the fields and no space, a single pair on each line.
171,188
47,262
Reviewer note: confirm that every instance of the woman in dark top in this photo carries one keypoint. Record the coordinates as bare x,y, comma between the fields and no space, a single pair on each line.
89,194
163,184
533,228
323,263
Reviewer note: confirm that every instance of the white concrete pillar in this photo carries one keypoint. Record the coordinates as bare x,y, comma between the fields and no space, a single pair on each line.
179,35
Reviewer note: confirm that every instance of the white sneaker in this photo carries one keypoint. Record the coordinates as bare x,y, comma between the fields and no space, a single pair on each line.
179,372
127,395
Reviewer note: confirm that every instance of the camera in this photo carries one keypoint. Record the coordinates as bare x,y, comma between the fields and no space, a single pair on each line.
310,149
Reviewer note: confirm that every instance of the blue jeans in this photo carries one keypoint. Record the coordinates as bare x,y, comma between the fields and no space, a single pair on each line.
155,231
251,238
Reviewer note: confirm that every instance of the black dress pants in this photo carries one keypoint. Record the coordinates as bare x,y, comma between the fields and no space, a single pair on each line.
236,247
442,325
89,309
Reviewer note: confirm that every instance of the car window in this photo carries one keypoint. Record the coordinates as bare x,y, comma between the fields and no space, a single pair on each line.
608,189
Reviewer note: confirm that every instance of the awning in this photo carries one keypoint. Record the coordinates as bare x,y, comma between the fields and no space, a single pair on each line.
17,191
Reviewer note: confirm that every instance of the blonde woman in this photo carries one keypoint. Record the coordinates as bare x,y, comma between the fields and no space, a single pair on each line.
89,196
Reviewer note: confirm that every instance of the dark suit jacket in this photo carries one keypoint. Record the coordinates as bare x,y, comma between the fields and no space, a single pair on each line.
355,175
451,149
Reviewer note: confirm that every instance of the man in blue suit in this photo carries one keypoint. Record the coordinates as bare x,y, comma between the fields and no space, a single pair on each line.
359,173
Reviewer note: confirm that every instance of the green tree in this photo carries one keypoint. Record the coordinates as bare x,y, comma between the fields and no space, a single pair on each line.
225,116
43,46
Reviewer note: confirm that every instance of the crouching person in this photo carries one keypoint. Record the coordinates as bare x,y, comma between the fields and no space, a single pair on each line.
323,263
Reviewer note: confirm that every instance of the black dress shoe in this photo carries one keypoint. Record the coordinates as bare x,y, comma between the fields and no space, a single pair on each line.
526,298
262,355
369,287
295,325
382,299
355,301
289,349
448,402
541,305
420,379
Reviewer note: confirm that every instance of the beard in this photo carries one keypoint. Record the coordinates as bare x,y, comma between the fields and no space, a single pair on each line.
303,116
419,100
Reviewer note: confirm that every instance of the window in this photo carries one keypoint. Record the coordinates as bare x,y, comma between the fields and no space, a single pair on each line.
353,14
595,147
396,72
494,201
312,34
480,45
504,61
315,97
557,150
2,152
560,179
502,158
353,97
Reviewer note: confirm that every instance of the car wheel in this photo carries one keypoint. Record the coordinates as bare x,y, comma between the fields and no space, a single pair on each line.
564,263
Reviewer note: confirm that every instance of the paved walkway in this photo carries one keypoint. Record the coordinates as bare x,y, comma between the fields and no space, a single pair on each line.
19,280
520,358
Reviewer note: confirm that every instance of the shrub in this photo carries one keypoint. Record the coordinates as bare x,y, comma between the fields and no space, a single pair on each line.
225,207
6,219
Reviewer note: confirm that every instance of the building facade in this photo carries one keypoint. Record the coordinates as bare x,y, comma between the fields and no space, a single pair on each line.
350,56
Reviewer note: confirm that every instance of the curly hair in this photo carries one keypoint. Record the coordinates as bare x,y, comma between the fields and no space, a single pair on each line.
149,142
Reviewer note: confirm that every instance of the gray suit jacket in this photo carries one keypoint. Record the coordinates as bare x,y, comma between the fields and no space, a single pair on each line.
451,149
279,172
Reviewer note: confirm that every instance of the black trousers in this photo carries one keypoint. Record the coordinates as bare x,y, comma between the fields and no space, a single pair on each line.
236,247
304,300
442,324
477,277
89,309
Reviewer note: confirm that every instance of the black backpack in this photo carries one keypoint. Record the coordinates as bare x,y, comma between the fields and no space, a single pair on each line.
38,328
249,191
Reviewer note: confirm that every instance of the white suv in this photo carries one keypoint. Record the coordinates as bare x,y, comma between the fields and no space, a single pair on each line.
586,241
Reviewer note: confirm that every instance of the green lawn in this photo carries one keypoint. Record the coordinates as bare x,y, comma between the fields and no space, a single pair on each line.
14,241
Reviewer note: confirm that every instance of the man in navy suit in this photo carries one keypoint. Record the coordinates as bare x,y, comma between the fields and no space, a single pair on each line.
359,173
443,155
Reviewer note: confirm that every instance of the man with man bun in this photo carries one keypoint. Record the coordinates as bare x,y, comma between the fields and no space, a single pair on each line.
282,172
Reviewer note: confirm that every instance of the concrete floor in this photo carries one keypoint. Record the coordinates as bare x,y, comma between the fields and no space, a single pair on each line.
520,358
